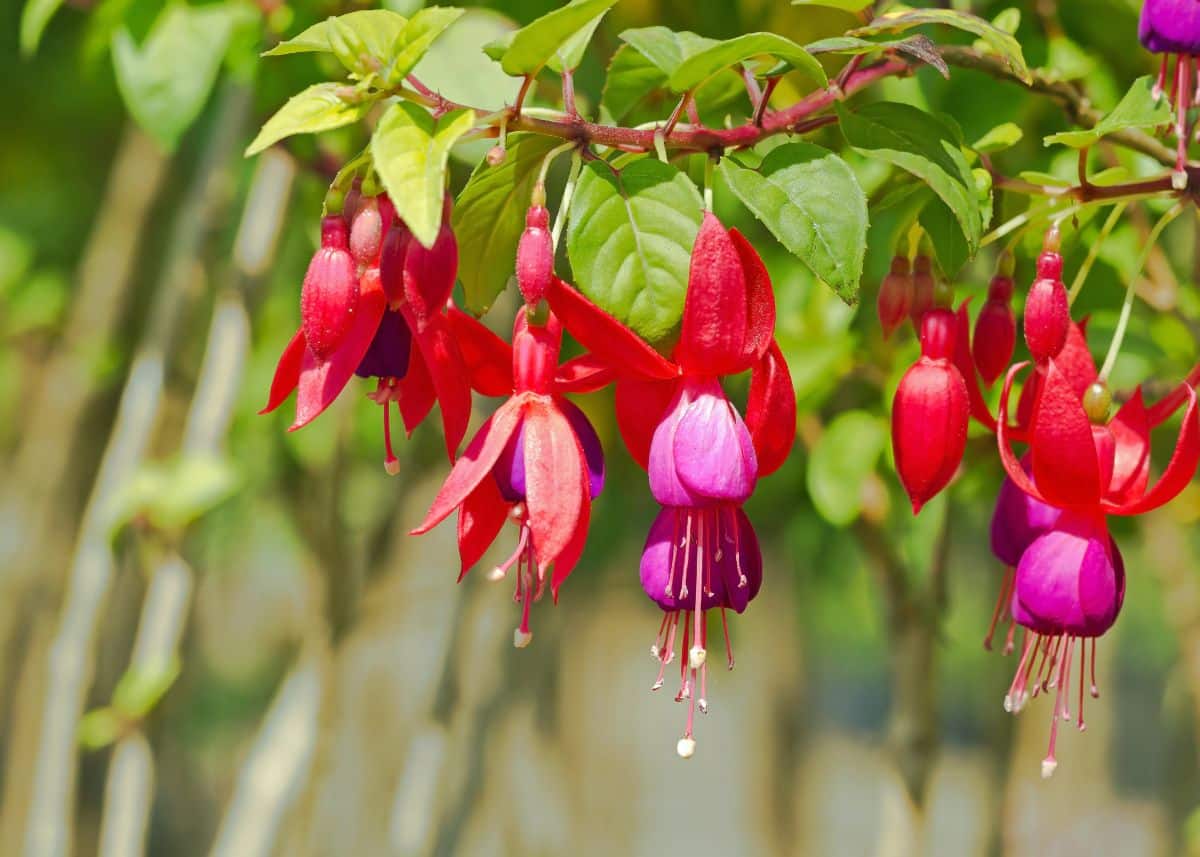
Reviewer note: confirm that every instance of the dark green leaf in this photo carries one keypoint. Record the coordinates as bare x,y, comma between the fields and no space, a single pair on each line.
810,200
410,149
34,18
923,145
634,82
630,240
999,41
318,108
1138,109
703,64
949,246
490,215
666,48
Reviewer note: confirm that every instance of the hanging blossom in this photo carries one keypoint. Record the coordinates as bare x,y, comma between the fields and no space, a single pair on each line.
703,459
1069,584
1172,28
536,462
374,305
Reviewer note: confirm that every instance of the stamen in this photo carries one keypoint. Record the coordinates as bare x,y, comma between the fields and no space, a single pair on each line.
1014,699
1001,605
1161,83
1183,68
523,635
728,641
499,572
1094,689
696,653
1082,667
391,463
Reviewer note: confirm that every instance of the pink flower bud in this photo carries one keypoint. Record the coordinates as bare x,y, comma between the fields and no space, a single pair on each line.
535,255
391,261
1047,310
366,232
429,274
995,332
923,288
930,413
330,293
895,296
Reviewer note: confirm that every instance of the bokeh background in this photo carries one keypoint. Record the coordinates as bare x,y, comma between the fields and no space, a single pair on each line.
336,693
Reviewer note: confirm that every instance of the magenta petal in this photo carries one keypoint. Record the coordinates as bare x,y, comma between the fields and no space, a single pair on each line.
737,559
1017,520
668,568
593,452
664,481
1067,581
713,451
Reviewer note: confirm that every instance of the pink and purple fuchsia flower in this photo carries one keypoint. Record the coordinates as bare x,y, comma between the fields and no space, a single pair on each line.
1172,28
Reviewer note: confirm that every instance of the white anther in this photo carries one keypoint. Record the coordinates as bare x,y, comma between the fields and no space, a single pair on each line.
686,747
521,639
392,466
1048,766
654,651
1179,180
496,574
702,704
696,657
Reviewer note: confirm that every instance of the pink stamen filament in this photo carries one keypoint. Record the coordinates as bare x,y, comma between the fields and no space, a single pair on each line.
1001,607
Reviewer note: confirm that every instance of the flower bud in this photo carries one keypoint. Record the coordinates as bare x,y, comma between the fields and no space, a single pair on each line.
1047,309
535,255
366,232
391,261
429,274
930,413
895,296
330,292
995,332
923,288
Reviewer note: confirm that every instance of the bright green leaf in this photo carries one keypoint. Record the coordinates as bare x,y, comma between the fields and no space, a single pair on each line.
166,81
1009,20
630,241
703,64
1138,109
34,18
377,30
489,217
842,461
1002,43
810,200
923,145
999,138
318,108
410,149
533,46
423,30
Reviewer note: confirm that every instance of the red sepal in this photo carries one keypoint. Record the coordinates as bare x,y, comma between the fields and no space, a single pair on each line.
584,374
771,410
1012,464
1130,430
488,357
287,373
475,464
623,350
321,381
1180,469
1062,451
1161,411
569,558
447,372
480,519
712,340
965,362
640,407
555,480
760,299
416,391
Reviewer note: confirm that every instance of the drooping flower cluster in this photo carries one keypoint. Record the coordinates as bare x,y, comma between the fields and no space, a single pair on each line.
1064,583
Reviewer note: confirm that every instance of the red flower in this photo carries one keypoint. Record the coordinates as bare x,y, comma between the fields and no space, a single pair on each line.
536,460
391,325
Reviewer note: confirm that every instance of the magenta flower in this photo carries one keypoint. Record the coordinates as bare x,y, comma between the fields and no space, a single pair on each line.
1170,27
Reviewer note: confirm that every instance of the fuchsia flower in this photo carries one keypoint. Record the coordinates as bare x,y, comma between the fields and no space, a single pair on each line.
1172,28
703,459
1070,581
995,331
536,461
895,296
373,304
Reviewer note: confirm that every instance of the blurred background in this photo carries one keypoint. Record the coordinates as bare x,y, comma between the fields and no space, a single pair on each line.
216,637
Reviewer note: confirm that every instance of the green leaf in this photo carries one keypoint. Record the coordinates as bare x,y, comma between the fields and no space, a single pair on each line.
810,200
924,145
141,687
318,108
166,81
539,43
666,48
459,70
1138,109
949,245
999,138
34,18
842,461
423,30
376,29
630,241
920,47
489,218
410,149
703,64
1003,44
635,82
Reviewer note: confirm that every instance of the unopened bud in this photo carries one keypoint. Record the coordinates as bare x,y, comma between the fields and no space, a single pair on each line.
895,296
366,232
495,155
923,290
1047,310
535,255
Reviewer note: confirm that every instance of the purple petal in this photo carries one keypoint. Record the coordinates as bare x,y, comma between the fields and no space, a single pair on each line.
738,559
387,356
1017,520
664,480
593,452
670,561
714,454
509,471
1068,580
1170,26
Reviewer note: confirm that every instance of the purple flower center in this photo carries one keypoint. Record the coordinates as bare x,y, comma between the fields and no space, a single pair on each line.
387,356
702,453
509,471
1018,520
